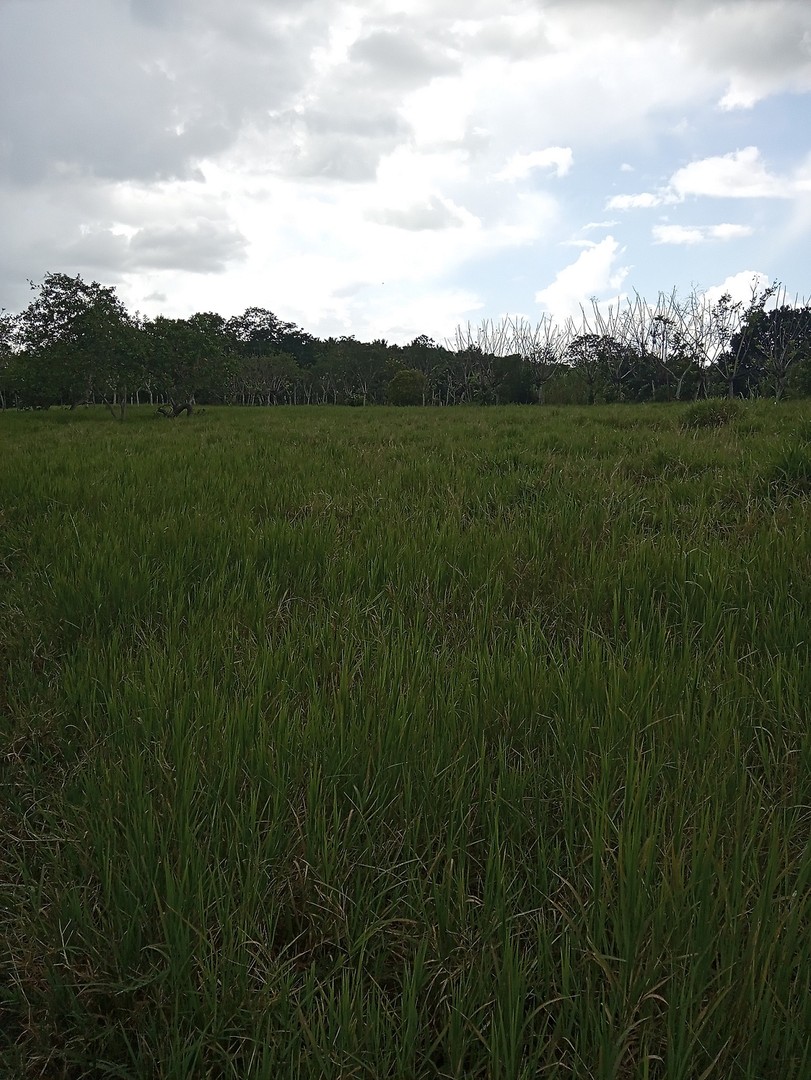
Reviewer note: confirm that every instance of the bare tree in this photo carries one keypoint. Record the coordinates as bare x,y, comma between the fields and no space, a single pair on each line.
657,331
543,345
607,327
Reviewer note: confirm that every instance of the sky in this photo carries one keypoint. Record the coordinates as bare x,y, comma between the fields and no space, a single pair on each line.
389,169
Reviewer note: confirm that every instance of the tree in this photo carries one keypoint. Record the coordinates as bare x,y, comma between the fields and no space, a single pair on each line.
543,347
407,387
124,346
774,341
76,336
258,332
434,361
585,354
671,344
188,357
272,377
724,346
656,335
513,380
607,332
7,335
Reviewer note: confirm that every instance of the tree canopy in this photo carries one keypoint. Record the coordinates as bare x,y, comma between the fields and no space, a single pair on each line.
76,343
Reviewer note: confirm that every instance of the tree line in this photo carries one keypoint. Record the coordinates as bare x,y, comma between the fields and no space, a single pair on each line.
76,343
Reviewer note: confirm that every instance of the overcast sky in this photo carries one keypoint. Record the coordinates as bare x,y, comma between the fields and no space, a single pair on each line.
388,168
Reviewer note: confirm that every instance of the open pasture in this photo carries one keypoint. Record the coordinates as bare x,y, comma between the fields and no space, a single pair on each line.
410,743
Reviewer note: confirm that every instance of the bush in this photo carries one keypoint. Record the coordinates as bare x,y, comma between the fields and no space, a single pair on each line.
714,412
790,472
407,387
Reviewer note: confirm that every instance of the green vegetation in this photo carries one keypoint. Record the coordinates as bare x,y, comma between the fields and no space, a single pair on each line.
405,743
712,412
407,387
76,344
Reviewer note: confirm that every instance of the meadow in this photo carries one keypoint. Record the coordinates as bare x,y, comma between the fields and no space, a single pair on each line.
406,743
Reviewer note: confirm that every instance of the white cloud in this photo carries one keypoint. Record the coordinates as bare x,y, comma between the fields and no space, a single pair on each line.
645,200
559,158
301,153
699,234
739,287
678,234
729,231
739,97
350,255
741,174
593,273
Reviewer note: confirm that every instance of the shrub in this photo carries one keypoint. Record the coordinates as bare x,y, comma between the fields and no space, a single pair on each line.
407,387
790,472
714,412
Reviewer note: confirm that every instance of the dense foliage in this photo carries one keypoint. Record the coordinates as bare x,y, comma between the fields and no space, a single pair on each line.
75,343
407,744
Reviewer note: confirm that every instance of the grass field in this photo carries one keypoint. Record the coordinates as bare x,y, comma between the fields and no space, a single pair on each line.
406,743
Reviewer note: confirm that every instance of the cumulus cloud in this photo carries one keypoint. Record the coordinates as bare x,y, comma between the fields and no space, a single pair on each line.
764,48
593,273
741,175
119,98
396,56
699,234
306,146
199,247
519,167
740,287
755,48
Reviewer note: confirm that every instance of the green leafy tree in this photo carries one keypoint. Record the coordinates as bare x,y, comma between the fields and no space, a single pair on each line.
77,340
271,379
433,360
773,342
188,358
585,354
258,332
513,380
731,364
123,370
407,387
7,366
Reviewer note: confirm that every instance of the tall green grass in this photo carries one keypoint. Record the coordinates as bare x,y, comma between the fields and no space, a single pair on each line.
377,743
